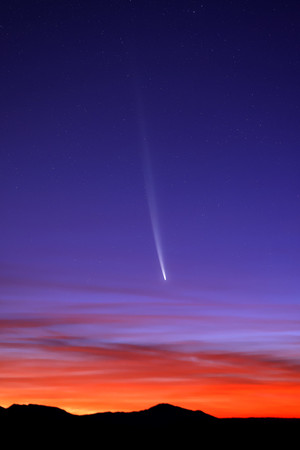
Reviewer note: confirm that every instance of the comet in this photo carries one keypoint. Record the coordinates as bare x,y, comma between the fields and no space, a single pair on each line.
149,185
150,192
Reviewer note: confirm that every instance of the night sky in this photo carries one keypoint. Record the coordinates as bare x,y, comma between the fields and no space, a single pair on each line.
141,138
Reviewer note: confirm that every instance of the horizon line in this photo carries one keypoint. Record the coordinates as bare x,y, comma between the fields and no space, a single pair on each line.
148,408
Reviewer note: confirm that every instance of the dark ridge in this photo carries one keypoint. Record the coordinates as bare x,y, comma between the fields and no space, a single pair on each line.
40,412
35,407
163,410
167,408
158,417
160,426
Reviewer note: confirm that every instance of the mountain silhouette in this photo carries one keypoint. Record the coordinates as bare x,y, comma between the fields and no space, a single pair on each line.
40,412
160,426
164,410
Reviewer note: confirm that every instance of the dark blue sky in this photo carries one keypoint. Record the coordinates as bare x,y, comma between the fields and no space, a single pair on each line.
211,88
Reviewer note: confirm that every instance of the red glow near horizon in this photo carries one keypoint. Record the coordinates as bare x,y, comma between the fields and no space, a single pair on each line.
88,356
126,378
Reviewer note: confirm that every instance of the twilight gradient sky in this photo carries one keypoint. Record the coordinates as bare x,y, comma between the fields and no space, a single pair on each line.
116,113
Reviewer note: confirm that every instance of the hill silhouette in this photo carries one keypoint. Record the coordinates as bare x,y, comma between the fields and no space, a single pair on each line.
160,425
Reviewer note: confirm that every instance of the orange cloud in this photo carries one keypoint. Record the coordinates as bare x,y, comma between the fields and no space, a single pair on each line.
86,378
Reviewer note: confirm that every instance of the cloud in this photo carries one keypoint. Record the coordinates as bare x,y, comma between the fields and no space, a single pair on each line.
13,281
69,371
136,362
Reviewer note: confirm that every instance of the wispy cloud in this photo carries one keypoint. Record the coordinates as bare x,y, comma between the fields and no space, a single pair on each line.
120,347
44,364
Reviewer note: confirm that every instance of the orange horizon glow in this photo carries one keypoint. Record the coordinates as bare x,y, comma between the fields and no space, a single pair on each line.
124,379
221,401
